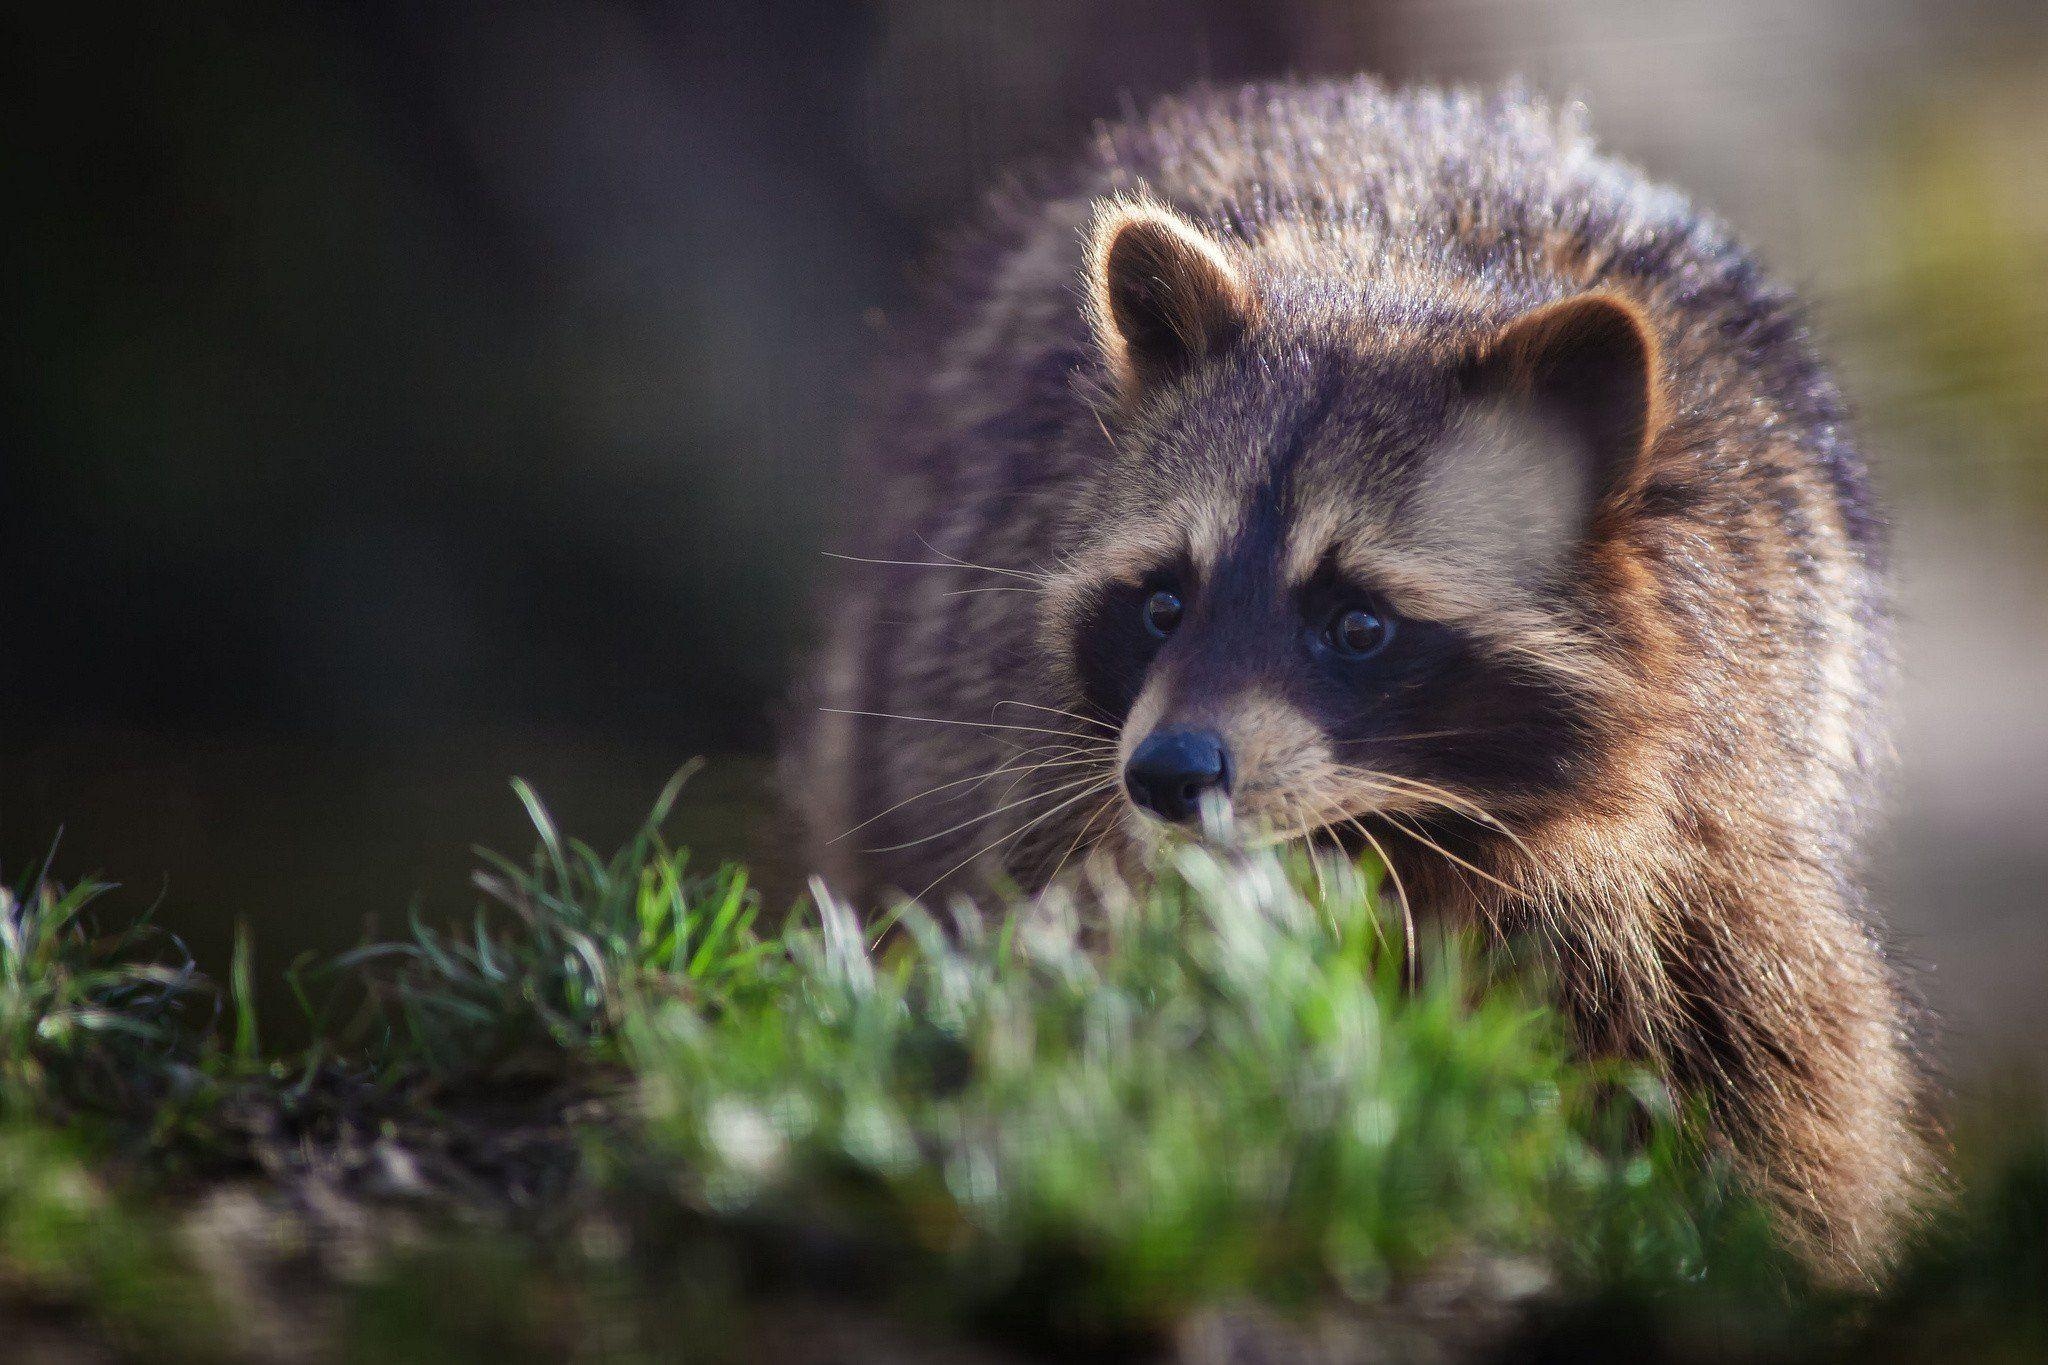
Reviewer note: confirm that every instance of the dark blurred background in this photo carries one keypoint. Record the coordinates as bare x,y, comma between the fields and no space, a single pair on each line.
399,397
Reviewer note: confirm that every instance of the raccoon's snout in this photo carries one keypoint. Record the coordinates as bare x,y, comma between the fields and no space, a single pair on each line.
1173,770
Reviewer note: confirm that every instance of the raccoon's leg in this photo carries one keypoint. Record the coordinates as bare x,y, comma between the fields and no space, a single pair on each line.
1780,1008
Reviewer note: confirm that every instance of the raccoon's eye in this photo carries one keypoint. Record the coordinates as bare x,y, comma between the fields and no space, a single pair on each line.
1357,632
1162,613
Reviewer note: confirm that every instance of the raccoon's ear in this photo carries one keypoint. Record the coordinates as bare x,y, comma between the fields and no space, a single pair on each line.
1162,295
1587,368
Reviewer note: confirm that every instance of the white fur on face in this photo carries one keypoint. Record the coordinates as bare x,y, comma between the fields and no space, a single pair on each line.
1507,492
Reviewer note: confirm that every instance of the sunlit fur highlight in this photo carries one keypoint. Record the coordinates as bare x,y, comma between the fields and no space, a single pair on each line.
1204,317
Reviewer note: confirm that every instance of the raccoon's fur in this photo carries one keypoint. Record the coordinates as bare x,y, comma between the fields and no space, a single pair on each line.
1465,495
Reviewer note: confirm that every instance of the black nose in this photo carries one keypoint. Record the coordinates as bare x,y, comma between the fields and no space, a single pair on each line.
1171,771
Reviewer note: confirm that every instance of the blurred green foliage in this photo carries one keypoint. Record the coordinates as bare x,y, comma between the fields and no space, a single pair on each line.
1949,318
1236,1090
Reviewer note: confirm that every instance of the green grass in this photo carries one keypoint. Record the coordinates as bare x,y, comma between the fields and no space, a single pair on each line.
1062,1125
558,955
90,1023
1222,1086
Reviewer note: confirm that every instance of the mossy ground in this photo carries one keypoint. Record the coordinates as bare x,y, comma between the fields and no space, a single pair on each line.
621,1114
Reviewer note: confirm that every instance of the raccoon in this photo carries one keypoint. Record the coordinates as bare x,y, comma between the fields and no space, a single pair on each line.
1397,471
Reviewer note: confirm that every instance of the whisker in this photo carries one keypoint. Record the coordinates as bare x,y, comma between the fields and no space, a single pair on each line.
1473,868
1071,715
1089,760
1309,847
1057,750
1040,575
1407,738
971,724
1060,866
1021,830
985,815
1454,801
928,564
1457,803
961,782
1400,894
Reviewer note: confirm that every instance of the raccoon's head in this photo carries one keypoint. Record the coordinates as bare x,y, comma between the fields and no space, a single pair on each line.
1340,561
